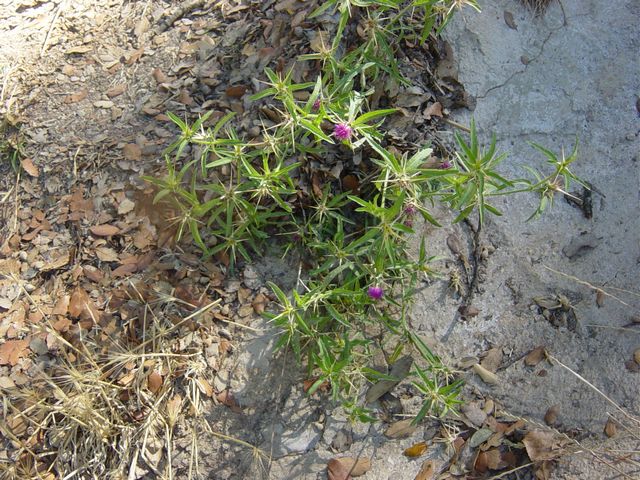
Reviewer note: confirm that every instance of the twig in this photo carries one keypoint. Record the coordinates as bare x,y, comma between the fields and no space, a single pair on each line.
45,44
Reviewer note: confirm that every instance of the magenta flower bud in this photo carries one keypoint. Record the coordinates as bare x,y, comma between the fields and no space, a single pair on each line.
316,104
445,165
408,223
410,210
342,131
375,293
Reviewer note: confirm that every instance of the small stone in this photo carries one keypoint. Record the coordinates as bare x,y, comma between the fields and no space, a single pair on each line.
38,346
342,440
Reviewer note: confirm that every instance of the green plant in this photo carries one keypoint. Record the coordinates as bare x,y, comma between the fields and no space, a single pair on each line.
355,295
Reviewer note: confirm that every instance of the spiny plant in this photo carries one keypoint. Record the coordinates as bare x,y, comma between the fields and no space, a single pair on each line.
354,296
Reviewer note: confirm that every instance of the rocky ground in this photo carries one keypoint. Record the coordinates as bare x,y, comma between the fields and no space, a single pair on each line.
85,90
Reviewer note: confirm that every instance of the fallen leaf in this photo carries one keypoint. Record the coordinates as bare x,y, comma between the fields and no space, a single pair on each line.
610,428
81,306
636,356
468,311
551,417
351,183
6,382
13,350
106,254
104,230
485,375
543,445
508,19
259,303
124,270
433,110
126,206
174,407
479,437
141,27
535,356
116,90
159,76
154,382
62,305
355,467
426,471
131,151
336,470
415,450
492,359
236,91
400,429
103,104
79,49
399,370
135,56
29,167
320,42
489,460
226,398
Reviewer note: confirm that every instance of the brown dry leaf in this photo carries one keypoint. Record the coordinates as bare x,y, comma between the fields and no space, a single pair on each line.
426,471
320,43
492,359
489,460
636,356
13,350
126,206
135,56
131,151
337,471
154,382
62,306
106,254
259,303
355,467
535,356
116,90
81,306
29,167
6,382
205,387
610,428
316,184
485,375
543,445
104,230
600,296
433,110
226,398
173,409
77,96
400,429
237,91
508,19
551,417
159,76
468,311
351,183
124,270
92,273
415,450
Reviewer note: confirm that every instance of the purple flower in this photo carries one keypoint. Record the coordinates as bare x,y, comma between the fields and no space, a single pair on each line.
342,131
408,223
444,165
410,210
316,104
375,293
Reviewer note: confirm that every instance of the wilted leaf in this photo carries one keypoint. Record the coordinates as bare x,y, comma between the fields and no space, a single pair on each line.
81,306
104,230
399,370
29,167
400,429
415,450
226,398
468,311
433,110
508,19
426,471
103,104
610,428
159,76
534,357
355,467
62,305
480,437
636,356
236,91
336,470
485,375
543,445
174,406
259,303
13,350
116,90
135,56
131,151
154,382
106,254
351,183
320,42
551,417
492,359
489,460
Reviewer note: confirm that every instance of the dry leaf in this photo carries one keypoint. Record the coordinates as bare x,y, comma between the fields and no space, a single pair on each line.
399,370
320,42
104,230
125,206
62,306
433,110
485,375
610,428
551,417
173,409
468,311
13,350
6,382
259,303
159,76
154,382
508,19
29,167
79,49
489,460
400,429
426,471
236,91
135,56
226,398
355,467
535,356
106,254
636,356
492,359
351,183
336,470
131,151
543,445
124,270
81,306
415,450
103,104
116,90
